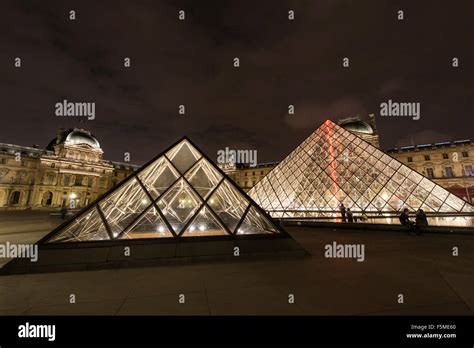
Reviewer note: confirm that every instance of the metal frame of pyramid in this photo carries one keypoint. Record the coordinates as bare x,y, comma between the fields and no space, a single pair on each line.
179,193
334,166
178,207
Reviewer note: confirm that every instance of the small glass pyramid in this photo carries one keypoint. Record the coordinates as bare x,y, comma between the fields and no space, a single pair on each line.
334,166
178,194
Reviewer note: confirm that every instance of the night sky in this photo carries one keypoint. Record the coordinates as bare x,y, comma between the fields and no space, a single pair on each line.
191,62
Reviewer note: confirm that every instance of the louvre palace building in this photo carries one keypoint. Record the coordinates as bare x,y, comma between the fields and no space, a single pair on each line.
69,172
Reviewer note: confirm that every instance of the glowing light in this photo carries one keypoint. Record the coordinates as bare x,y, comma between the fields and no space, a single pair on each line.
333,174
192,228
161,229
202,227
73,195
144,201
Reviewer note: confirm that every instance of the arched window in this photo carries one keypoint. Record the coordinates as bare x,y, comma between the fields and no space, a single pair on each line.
15,198
47,198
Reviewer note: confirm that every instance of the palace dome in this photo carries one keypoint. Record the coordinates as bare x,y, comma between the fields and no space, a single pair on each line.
75,136
356,125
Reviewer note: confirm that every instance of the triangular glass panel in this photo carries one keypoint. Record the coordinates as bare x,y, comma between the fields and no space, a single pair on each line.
88,226
183,156
179,204
124,205
255,223
228,204
203,177
204,224
158,176
149,225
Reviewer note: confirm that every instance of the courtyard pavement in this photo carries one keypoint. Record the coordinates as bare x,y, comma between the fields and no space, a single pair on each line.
421,268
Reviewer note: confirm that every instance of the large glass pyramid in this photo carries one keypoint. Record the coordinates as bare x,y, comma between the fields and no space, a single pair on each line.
181,193
334,166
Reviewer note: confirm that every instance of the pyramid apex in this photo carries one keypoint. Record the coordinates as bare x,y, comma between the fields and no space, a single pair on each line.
330,122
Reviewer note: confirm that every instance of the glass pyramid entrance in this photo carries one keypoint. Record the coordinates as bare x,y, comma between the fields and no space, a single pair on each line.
181,193
334,166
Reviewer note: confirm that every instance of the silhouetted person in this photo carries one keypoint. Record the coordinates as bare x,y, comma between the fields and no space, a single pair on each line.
405,220
63,212
350,216
342,208
420,220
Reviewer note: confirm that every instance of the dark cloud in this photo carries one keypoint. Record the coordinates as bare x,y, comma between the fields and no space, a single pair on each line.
190,63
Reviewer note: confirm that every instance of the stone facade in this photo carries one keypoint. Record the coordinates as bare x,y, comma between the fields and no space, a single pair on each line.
69,172
449,164
245,176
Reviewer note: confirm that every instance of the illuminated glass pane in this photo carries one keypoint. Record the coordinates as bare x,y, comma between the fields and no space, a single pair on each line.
414,201
228,204
447,208
454,202
434,202
415,177
420,193
88,226
427,184
468,208
440,192
204,224
149,225
179,204
158,176
255,223
124,205
203,177
183,156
